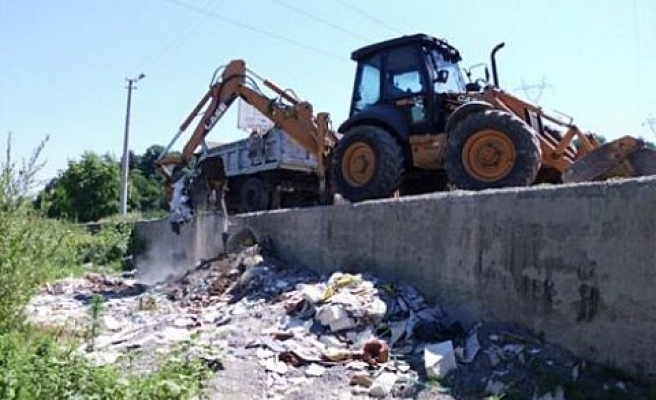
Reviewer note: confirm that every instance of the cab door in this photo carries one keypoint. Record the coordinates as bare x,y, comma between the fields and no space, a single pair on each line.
405,87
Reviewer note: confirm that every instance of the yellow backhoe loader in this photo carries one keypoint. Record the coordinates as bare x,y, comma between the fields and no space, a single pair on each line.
414,126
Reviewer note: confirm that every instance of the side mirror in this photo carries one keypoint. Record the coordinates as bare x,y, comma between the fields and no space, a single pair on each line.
442,76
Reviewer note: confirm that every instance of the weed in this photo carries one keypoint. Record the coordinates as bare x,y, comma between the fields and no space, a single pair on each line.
94,324
33,366
38,363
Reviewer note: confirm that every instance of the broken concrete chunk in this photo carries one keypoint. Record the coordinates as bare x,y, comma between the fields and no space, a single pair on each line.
383,384
272,344
315,370
439,359
376,310
342,324
357,365
332,341
359,338
337,354
361,378
171,334
274,365
335,317
111,323
311,293
329,313
262,353
184,322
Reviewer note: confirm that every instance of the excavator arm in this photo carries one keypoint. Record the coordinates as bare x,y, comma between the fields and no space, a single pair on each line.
294,116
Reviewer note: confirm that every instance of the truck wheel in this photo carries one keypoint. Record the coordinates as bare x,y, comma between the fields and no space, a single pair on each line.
492,149
367,164
253,195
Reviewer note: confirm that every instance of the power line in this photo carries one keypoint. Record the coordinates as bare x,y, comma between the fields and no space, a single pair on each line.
255,29
321,20
180,38
369,16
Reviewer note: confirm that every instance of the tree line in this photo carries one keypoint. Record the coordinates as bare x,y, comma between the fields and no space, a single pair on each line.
88,188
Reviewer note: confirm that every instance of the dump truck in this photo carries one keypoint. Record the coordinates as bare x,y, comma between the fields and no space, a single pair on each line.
266,171
415,125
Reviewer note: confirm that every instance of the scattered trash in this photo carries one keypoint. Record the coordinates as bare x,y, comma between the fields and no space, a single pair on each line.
439,359
383,384
315,370
352,332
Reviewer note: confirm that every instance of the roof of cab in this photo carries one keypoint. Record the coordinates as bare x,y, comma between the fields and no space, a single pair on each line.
449,52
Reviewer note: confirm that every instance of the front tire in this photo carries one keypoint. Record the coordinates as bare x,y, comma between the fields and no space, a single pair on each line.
367,164
492,149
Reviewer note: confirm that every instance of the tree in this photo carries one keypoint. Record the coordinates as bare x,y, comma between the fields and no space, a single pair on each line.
146,163
145,194
87,190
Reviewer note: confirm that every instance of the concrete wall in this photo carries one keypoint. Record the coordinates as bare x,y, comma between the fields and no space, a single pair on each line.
574,262
165,252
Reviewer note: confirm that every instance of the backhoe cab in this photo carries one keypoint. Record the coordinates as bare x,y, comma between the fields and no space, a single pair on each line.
415,126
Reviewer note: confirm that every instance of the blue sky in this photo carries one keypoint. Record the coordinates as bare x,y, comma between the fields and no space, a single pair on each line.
63,63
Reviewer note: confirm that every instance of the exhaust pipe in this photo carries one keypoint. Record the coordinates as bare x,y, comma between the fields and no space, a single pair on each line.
493,60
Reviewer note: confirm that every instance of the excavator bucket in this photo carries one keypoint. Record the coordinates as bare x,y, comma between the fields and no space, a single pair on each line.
623,157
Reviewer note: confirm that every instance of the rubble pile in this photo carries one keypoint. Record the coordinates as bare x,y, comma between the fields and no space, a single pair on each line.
355,322
295,334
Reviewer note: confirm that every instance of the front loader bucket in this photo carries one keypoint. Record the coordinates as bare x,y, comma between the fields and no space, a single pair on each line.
613,159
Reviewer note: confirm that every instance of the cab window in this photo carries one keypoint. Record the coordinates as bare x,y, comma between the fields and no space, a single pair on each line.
402,73
367,91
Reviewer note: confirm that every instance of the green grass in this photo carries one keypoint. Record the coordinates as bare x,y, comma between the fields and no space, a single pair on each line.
34,366
42,362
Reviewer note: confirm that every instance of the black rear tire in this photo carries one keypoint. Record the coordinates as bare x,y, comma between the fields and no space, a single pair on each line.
466,171
367,164
253,195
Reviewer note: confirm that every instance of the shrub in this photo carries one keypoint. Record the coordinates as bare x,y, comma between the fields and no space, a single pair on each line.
32,249
34,364
108,246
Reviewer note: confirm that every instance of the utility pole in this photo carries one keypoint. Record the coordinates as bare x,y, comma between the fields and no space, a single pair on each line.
538,87
123,206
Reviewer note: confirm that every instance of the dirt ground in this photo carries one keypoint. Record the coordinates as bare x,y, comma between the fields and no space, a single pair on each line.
249,309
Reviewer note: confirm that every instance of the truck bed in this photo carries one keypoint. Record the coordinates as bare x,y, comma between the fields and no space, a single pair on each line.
275,150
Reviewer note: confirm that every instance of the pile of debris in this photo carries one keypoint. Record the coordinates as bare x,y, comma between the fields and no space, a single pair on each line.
355,322
352,334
